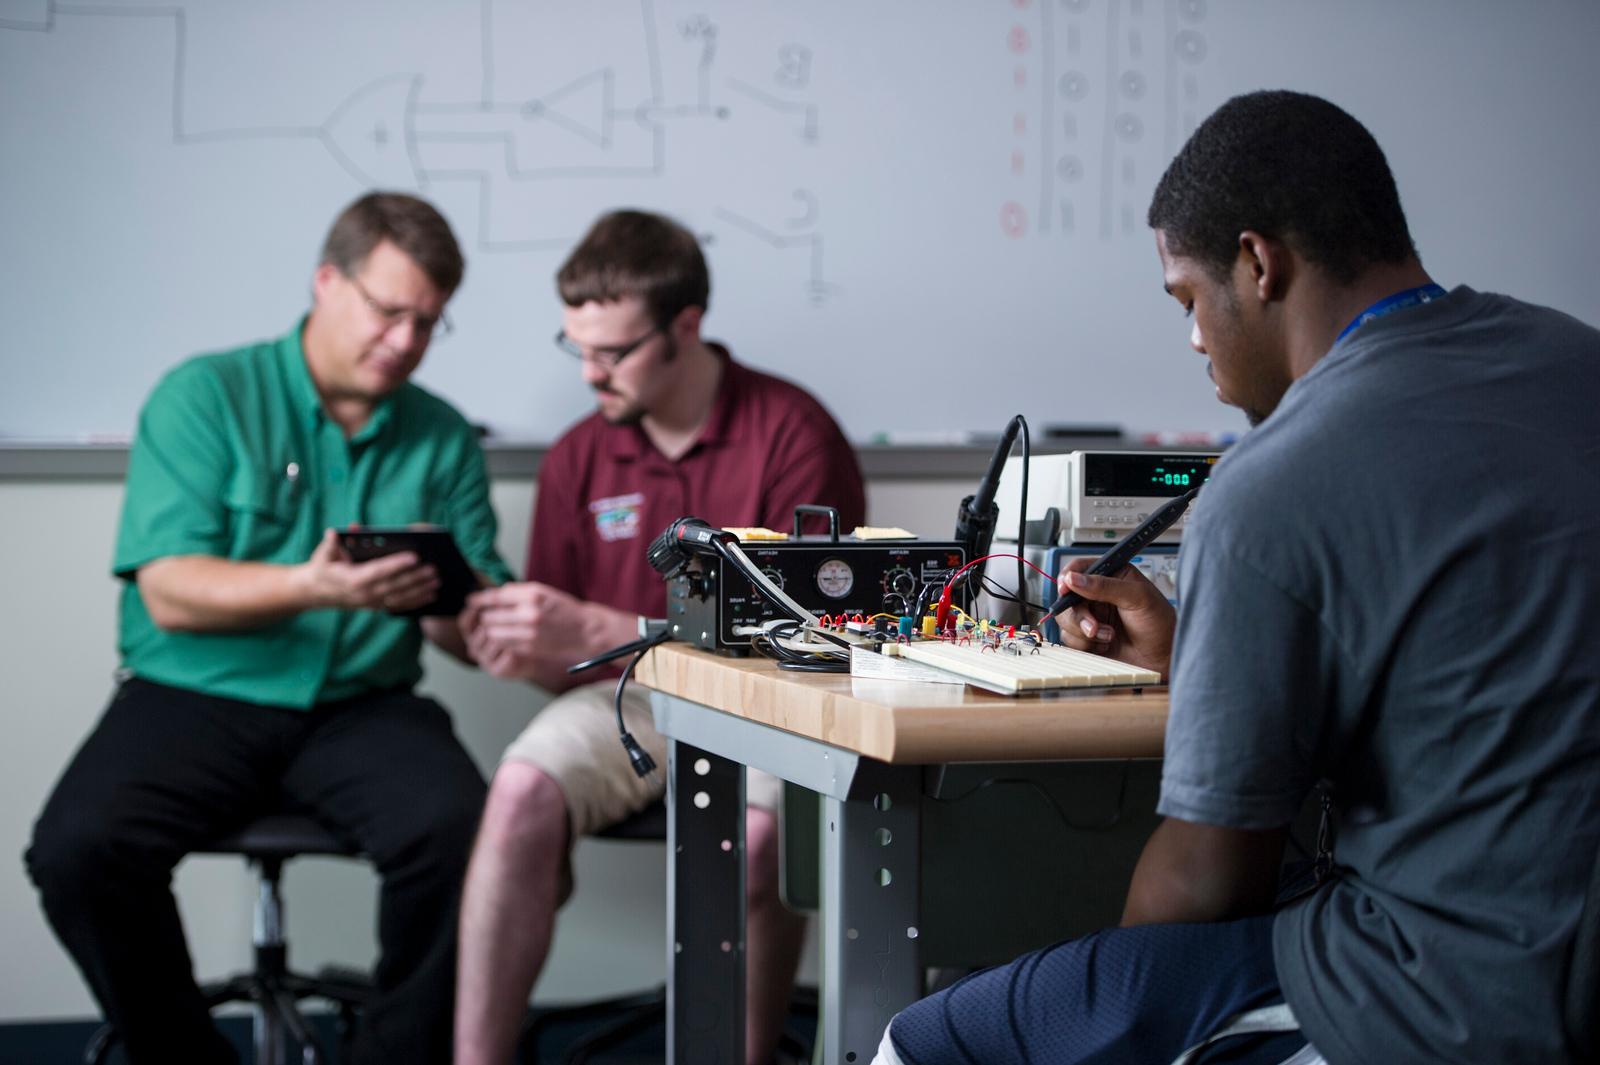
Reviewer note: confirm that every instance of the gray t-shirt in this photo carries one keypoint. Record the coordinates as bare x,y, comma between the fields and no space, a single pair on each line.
1393,585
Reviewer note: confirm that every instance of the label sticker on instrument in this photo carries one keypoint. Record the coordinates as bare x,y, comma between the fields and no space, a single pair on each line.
617,517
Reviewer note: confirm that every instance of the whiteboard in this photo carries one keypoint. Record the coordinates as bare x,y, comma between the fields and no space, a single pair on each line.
930,213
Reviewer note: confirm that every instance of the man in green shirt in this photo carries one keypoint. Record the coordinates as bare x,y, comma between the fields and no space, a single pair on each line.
262,666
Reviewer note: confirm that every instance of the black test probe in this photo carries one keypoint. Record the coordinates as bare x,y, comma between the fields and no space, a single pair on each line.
1122,553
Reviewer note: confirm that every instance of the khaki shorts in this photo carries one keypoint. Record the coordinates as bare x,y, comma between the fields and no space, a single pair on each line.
574,739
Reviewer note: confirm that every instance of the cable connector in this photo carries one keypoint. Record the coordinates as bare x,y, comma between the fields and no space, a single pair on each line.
942,614
651,632
643,764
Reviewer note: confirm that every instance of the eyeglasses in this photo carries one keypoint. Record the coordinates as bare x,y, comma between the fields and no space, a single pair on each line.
605,358
428,325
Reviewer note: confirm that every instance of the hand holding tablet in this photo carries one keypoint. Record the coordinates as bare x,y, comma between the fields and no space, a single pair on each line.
433,546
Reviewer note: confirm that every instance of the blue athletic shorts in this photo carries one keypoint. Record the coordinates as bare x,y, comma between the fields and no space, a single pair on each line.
1140,996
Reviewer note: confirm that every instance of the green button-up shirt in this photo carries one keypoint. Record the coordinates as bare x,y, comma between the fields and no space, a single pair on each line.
236,458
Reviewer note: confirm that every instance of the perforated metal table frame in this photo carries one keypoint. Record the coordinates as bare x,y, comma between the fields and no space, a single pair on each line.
870,887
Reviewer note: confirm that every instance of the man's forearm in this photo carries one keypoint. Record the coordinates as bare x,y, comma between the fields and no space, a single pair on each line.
1191,872
445,634
200,593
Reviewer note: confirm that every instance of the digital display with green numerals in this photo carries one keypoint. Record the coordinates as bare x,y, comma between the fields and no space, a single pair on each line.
1144,475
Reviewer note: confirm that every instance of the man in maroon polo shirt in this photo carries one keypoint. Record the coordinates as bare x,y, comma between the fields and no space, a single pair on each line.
681,429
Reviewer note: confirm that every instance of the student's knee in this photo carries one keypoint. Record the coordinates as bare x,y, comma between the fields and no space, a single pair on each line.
70,856
762,844
526,809
438,825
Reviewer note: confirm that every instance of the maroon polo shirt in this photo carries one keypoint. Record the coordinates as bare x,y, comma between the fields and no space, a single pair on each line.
605,491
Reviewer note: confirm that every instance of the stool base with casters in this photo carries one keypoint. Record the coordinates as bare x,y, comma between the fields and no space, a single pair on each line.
270,986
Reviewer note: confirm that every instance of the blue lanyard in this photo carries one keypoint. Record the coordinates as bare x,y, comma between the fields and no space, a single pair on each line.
1411,297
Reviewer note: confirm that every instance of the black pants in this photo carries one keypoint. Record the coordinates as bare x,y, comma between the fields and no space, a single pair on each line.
167,770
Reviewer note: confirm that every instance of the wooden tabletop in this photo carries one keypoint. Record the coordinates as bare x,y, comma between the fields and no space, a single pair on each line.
914,723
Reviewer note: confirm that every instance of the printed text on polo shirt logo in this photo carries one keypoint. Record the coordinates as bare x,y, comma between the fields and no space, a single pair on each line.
617,517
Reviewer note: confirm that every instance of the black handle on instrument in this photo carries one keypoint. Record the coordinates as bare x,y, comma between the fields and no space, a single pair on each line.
826,512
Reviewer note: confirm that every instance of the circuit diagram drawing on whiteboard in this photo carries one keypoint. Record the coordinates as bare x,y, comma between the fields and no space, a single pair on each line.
892,196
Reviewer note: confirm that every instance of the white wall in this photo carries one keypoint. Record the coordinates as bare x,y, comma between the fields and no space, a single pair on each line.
57,654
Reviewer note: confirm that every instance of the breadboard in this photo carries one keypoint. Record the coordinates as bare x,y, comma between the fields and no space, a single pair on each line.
1051,666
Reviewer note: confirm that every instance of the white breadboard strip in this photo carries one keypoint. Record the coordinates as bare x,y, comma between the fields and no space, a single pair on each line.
1053,666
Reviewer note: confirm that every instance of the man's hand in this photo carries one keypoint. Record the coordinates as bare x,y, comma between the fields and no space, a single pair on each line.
532,631
202,593
1124,617
396,583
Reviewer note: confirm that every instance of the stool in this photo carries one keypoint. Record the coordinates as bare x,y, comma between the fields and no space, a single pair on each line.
266,843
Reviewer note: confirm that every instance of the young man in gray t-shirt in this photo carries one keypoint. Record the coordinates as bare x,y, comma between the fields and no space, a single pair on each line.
1391,588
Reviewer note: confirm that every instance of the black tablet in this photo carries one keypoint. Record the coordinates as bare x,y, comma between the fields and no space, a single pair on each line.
433,545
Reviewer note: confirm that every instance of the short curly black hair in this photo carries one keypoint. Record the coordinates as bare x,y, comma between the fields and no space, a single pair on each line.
1290,166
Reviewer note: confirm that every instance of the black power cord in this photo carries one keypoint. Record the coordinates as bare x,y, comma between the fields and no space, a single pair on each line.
998,591
767,645
638,757
1044,793
1022,511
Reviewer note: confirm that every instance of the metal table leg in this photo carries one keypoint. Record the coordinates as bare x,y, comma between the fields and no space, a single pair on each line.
705,908
871,879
